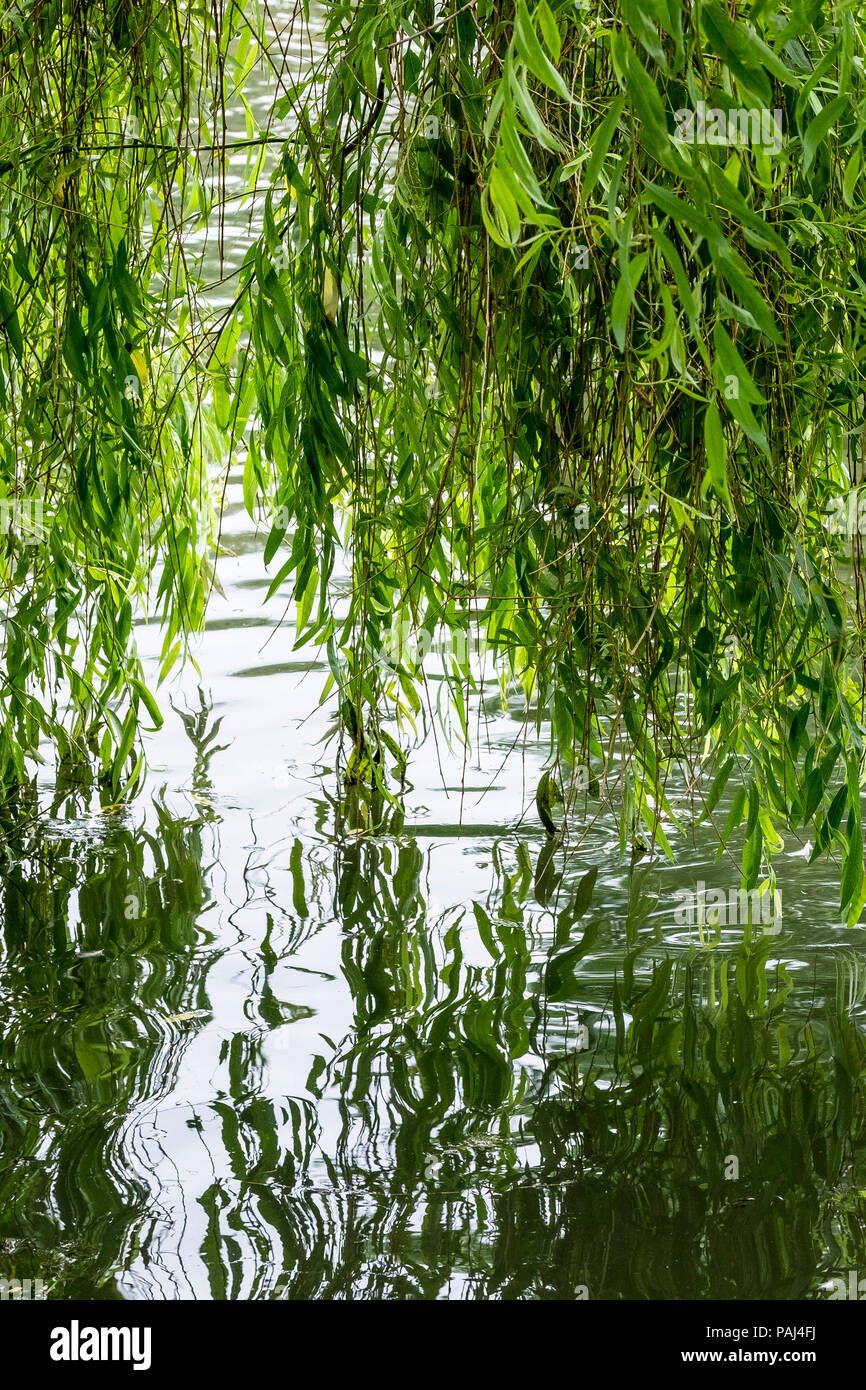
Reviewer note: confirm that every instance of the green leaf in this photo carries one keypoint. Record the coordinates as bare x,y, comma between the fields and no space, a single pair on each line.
684,289
529,111
546,795
756,229
744,52
148,701
735,816
737,276
250,484
10,323
714,439
563,723
528,49
643,28
820,128
583,896
75,348
720,781
501,192
485,930
737,388
645,100
852,174
549,31
852,874
599,148
619,311
518,160
684,214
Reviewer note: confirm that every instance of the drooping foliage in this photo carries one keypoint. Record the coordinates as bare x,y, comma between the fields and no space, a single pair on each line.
549,371
559,324
110,122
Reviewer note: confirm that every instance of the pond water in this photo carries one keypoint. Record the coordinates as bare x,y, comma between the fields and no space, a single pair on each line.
251,1053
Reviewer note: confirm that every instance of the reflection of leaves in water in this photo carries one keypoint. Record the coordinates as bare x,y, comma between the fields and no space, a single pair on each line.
458,1139
606,1168
78,1050
201,736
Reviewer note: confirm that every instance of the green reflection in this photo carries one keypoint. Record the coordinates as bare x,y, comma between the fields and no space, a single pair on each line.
501,1117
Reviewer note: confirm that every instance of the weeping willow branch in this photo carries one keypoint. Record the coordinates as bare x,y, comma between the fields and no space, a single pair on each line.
590,385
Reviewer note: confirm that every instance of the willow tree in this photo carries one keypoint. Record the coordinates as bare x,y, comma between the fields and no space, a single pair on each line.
557,324
110,116
555,327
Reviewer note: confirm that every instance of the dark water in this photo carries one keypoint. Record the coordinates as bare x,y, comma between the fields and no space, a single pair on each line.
251,1051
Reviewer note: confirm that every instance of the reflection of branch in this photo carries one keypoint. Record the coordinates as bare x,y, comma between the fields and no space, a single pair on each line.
200,736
